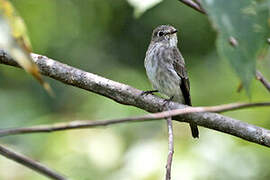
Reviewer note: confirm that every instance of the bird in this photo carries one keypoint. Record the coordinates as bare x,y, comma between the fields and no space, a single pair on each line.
165,68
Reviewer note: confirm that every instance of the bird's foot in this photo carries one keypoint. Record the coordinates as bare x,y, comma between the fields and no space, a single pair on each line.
148,92
166,102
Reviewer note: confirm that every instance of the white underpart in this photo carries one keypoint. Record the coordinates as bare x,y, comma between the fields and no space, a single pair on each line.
173,40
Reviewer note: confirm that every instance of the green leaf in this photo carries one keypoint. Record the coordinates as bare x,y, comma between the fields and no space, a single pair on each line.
242,33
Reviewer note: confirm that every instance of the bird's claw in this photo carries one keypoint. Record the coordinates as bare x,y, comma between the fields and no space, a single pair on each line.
148,92
166,102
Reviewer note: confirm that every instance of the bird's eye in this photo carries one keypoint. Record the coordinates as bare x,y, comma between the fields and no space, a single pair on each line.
160,33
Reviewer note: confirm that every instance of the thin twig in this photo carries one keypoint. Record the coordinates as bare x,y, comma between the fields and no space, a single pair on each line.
170,148
199,3
26,161
263,80
195,5
263,137
153,116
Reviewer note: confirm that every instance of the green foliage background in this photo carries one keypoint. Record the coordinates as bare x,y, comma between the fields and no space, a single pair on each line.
103,37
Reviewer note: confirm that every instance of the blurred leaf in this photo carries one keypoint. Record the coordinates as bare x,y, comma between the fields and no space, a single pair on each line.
243,29
16,23
14,40
140,6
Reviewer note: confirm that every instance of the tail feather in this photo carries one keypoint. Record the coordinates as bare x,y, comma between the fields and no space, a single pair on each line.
194,130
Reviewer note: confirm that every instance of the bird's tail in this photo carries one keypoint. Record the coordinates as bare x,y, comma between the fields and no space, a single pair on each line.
194,130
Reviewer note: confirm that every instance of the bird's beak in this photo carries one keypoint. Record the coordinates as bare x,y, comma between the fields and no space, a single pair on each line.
173,32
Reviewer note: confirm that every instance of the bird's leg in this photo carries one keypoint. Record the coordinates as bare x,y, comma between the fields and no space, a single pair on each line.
148,92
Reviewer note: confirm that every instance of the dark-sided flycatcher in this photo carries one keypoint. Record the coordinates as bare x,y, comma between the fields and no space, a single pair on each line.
165,68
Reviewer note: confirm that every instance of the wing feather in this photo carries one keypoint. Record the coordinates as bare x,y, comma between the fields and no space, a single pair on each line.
179,67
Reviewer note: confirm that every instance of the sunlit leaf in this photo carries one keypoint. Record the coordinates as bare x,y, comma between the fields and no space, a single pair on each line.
140,6
242,33
14,40
16,23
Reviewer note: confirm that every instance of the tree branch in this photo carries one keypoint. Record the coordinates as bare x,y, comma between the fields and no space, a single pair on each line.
170,149
25,161
263,80
128,95
195,5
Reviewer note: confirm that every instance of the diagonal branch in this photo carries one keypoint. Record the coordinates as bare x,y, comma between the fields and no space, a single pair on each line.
263,80
128,95
25,161
195,5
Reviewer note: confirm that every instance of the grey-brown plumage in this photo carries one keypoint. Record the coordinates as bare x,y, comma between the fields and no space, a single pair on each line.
165,68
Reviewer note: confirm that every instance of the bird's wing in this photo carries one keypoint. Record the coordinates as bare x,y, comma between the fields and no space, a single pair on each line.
179,67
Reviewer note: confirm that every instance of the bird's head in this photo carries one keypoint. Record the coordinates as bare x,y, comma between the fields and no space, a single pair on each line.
165,34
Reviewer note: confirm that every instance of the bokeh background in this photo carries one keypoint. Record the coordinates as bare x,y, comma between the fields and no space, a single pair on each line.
105,38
